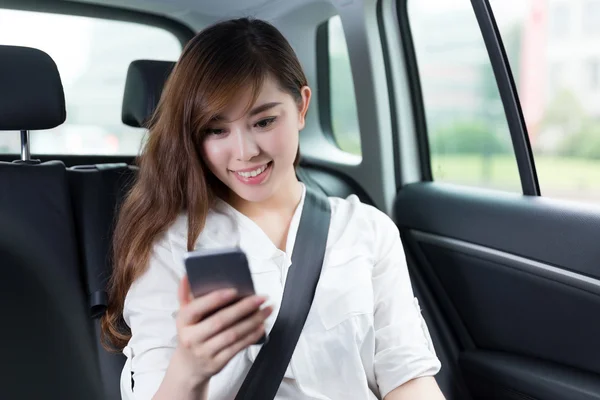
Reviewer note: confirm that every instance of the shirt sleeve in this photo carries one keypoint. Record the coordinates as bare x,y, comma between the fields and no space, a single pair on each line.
403,346
150,310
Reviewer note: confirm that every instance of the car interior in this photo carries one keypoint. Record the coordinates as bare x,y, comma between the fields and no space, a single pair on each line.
506,267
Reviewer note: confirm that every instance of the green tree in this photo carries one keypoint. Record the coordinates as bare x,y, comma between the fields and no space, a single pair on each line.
584,143
565,112
580,132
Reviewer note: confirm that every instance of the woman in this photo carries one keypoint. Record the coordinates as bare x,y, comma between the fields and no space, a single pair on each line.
219,170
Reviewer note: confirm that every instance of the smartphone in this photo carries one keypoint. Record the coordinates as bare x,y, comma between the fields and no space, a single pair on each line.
215,269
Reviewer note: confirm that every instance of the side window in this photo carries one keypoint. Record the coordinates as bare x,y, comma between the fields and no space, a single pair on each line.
92,56
555,58
468,133
342,102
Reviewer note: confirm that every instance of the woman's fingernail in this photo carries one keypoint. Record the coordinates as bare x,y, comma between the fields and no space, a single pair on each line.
260,299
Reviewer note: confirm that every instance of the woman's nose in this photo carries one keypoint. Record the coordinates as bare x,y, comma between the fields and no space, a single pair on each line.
246,146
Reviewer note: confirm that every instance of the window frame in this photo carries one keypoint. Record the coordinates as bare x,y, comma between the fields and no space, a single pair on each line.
416,93
324,84
180,30
506,87
392,97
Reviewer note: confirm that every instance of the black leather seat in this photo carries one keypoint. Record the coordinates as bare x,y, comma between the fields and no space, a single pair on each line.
97,192
37,194
47,336
47,351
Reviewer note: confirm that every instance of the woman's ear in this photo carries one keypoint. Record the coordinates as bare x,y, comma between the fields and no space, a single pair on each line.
306,93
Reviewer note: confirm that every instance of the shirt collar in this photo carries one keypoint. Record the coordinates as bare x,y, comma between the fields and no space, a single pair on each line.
249,236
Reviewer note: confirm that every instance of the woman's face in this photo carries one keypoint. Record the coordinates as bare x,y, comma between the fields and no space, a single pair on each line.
253,153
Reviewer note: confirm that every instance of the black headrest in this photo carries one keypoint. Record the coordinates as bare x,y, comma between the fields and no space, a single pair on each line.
31,92
143,87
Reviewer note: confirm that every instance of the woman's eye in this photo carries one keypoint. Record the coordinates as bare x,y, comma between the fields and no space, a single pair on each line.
265,122
213,131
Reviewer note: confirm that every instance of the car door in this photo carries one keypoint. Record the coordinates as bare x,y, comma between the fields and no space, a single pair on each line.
501,224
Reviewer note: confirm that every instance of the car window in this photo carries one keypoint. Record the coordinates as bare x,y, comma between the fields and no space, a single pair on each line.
468,134
553,52
92,56
343,113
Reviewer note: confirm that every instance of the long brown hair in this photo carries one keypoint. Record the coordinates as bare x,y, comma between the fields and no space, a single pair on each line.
214,67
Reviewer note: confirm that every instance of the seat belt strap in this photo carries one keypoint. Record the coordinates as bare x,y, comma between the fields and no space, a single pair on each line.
267,371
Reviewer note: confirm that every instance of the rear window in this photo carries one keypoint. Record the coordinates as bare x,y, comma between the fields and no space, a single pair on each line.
92,56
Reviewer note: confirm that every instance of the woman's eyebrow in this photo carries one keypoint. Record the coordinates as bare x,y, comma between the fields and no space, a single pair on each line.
253,112
264,107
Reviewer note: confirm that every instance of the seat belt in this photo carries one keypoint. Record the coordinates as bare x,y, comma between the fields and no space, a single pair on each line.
267,371
304,177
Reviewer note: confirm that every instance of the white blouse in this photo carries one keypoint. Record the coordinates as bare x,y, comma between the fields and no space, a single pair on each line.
364,335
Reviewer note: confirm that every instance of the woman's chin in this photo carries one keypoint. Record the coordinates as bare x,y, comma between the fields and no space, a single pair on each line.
252,194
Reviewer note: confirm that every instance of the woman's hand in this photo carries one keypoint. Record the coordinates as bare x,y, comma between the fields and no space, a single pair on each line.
208,340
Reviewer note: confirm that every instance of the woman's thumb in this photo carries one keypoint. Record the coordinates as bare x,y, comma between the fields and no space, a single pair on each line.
185,294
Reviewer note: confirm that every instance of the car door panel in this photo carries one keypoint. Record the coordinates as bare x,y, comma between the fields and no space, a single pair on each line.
449,378
516,278
495,375
550,231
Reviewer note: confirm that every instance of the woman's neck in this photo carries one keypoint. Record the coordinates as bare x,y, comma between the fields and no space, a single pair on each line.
274,215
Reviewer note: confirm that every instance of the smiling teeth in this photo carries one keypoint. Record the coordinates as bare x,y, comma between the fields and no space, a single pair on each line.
252,174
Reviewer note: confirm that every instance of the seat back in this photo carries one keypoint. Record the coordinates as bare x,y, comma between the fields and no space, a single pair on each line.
97,192
36,194
46,336
46,345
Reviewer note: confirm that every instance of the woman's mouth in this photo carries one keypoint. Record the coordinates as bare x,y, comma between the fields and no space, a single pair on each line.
255,176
